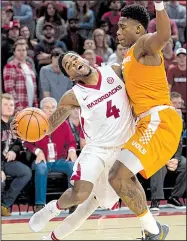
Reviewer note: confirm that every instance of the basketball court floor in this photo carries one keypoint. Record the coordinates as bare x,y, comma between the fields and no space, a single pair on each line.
119,224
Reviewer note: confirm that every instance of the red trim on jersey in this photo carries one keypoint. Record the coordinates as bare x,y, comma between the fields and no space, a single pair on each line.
97,86
77,175
53,237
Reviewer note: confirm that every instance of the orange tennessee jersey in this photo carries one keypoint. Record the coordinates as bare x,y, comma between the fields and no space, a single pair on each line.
147,86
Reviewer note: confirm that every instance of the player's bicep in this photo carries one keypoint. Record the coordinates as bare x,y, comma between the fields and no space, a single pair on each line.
152,43
68,98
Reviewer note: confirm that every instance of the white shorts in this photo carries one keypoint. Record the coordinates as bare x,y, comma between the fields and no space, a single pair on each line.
93,165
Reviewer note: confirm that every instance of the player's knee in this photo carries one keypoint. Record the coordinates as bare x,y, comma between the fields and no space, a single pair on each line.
81,192
80,196
119,173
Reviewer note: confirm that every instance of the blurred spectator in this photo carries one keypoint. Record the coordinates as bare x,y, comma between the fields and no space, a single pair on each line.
20,80
8,43
73,39
90,56
43,48
75,126
112,17
9,13
10,150
109,39
102,48
169,55
89,44
174,30
30,60
53,82
23,13
177,100
85,15
51,15
177,12
25,32
61,159
177,164
118,56
176,74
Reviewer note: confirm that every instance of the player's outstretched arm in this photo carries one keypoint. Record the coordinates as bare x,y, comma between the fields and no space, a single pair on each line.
65,106
153,43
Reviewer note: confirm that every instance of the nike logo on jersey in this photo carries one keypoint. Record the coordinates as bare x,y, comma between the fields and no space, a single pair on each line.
85,97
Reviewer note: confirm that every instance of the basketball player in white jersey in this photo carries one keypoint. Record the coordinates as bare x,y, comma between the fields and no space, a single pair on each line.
107,123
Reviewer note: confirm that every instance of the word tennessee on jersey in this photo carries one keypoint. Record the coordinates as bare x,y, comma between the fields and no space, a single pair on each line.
105,116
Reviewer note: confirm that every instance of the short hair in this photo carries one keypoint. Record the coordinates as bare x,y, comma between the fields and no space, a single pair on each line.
60,61
175,95
56,52
138,13
46,100
7,96
19,43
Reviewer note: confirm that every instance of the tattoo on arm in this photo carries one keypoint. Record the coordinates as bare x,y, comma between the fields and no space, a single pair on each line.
58,117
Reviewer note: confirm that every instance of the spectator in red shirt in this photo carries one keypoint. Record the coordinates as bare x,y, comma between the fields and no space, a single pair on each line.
174,30
89,44
112,17
54,153
20,80
176,75
169,55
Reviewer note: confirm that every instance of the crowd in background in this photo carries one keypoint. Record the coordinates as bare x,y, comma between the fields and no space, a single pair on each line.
34,34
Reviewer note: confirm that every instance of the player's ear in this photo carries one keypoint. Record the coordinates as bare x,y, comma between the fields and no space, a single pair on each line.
139,28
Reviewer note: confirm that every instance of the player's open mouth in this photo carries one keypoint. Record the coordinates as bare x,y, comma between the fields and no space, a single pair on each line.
80,67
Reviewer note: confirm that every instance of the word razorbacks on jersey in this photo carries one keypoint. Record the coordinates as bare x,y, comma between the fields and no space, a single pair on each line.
106,96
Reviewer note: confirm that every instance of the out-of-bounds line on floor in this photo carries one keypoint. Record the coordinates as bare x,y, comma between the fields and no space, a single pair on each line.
25,220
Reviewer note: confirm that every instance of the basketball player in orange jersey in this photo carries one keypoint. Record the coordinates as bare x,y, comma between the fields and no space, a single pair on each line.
159,126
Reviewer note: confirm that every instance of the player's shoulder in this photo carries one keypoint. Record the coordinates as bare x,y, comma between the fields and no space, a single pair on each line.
141,40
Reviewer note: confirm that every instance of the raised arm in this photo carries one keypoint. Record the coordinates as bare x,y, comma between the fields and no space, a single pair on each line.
153,43
65,106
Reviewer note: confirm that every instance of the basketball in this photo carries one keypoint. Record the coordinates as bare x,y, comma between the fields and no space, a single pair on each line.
32,124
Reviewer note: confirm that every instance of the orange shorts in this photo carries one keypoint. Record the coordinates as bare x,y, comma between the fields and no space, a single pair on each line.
156,139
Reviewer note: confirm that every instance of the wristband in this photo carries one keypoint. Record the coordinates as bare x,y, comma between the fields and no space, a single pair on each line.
159,6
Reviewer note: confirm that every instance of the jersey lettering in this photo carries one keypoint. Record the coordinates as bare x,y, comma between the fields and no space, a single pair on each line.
112,110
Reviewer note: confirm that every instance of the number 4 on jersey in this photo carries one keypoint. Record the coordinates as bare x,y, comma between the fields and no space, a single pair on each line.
112,110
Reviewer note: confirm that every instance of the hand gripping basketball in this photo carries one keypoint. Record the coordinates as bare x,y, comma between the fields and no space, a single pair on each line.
30,124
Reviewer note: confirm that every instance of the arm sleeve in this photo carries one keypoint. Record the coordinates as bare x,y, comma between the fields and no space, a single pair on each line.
39,29
179,151
44,80
28,15
170,75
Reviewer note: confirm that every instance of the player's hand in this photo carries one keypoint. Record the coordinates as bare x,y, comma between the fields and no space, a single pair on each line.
10,156
72,156
172,164
40,157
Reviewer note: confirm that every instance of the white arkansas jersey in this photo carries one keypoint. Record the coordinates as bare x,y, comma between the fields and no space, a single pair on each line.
106,116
